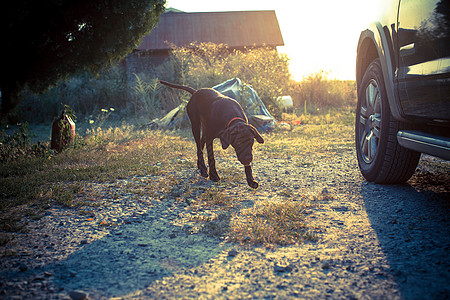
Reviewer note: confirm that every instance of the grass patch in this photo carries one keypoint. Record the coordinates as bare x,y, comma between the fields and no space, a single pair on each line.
269,223
215,196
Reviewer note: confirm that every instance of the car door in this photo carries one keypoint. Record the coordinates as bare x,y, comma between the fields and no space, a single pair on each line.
423,75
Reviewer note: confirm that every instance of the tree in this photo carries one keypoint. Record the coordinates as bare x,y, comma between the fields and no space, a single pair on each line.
47,40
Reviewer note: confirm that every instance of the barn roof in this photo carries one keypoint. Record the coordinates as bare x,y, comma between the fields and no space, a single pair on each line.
234,28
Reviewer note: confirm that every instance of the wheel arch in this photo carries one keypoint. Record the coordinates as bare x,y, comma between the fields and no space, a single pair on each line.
373,43
367,52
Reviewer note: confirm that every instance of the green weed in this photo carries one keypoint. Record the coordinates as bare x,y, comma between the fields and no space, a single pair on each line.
18,145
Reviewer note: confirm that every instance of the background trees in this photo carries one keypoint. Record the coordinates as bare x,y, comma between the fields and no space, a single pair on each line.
44,41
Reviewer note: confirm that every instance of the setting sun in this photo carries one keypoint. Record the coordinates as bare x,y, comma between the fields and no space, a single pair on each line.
318,35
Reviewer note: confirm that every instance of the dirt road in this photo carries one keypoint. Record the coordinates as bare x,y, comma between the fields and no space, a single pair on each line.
373,241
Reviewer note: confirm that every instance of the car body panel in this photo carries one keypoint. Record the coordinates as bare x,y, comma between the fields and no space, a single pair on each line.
423,75
412,41
417,73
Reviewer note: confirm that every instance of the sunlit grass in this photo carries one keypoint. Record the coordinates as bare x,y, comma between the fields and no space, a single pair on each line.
319,136
308,139
269,223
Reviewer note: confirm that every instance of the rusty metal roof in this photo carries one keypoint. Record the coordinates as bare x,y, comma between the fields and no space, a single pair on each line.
235,28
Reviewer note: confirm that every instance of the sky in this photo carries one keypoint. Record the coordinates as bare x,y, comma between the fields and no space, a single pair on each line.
319,35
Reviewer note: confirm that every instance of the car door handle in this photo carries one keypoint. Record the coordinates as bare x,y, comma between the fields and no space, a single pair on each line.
409,49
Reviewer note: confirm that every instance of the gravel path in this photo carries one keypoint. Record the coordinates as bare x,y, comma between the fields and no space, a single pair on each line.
373,241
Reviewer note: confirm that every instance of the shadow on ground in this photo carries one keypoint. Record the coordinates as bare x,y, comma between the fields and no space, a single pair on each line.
412,223
132,257
145,248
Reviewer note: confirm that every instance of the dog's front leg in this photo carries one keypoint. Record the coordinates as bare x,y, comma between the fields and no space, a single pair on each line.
250,180
211,161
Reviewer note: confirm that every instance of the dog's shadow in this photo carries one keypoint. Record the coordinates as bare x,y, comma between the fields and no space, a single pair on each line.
145,248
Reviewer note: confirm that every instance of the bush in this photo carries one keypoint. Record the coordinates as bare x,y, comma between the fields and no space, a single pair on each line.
18,145
316,91
146,96
207,64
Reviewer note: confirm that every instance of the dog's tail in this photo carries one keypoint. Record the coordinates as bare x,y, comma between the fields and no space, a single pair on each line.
177,86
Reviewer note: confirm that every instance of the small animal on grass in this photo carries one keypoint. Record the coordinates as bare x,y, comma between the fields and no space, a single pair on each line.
214,115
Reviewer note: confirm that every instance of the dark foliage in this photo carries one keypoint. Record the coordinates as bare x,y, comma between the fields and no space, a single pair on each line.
44,41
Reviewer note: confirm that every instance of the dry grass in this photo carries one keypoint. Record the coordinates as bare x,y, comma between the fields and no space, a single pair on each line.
29,186
271,223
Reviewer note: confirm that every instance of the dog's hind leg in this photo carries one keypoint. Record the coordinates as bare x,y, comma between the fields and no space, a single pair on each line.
211,161
200,142
196,127
200,160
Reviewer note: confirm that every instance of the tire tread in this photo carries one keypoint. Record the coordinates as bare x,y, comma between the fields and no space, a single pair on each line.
395,163
399,163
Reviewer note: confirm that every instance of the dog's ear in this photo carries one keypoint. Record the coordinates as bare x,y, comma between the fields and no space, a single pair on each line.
256,134
225,138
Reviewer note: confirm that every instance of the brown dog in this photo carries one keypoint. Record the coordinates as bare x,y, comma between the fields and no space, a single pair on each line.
214,115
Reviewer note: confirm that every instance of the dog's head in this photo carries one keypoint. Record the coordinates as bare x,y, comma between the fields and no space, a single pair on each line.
241,136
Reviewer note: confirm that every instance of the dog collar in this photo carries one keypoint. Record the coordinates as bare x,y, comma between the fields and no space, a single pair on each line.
235,118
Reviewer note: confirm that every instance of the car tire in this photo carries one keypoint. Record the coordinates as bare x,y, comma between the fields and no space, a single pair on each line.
380,157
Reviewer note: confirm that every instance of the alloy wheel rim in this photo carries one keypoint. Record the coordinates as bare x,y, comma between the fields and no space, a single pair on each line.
370,122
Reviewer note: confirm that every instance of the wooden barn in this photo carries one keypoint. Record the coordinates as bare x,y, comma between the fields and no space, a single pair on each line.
236,29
